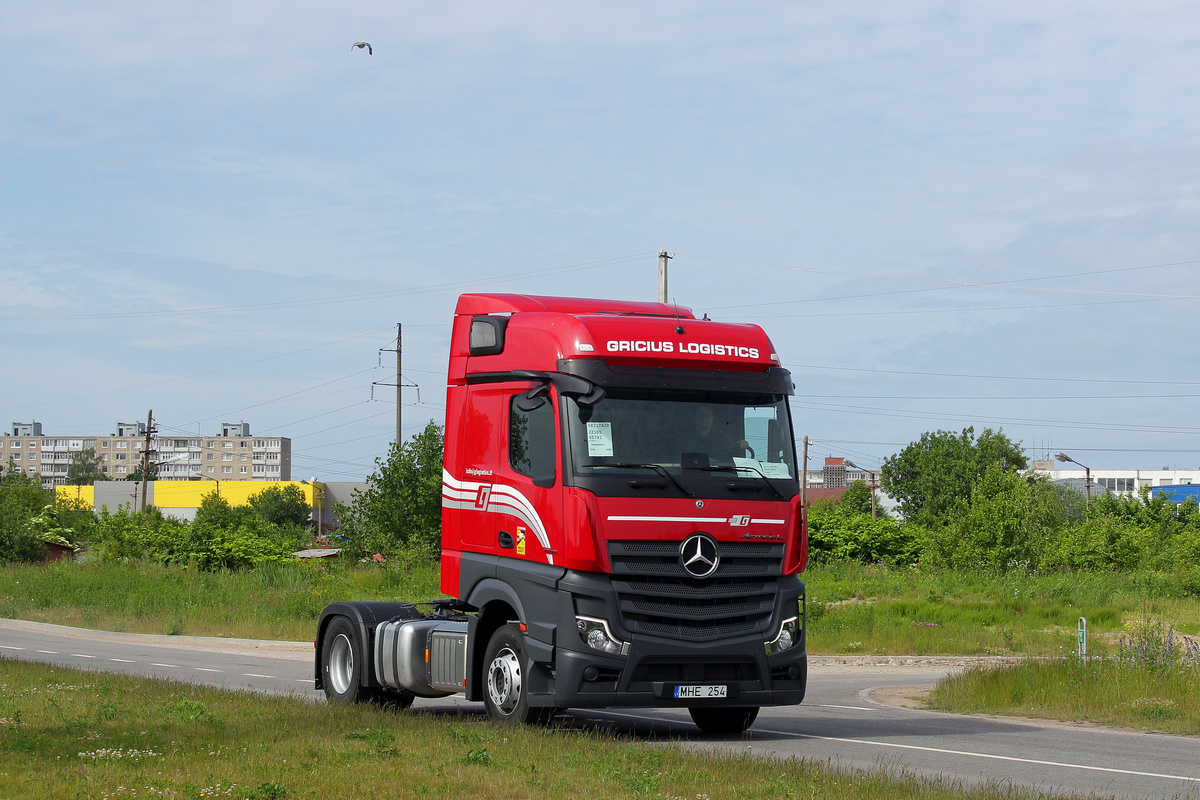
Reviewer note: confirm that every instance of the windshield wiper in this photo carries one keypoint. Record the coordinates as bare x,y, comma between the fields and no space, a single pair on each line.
738,470
659,468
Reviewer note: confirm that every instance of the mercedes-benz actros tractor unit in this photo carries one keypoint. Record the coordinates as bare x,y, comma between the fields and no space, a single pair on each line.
621,524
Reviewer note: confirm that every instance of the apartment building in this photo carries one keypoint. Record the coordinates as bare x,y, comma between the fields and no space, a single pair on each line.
233,455
838,473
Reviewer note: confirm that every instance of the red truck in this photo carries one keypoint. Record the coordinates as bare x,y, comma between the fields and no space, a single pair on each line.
621,524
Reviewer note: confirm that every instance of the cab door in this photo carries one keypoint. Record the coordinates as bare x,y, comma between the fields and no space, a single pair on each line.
527,494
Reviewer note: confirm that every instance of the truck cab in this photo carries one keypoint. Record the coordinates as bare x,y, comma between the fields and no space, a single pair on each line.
621,517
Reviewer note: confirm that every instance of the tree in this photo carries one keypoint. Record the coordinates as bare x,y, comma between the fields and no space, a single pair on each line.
84,468
930,477
22,499
216,511
1009,522
281,505
136,474
401,509
856,498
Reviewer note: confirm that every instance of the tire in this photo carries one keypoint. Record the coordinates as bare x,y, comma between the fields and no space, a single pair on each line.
341,669
724,720
505,689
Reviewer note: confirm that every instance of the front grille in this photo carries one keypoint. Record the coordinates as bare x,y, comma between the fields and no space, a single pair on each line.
662,558
656,595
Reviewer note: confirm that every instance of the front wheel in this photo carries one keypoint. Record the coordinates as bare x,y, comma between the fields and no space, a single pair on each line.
506,689
724,720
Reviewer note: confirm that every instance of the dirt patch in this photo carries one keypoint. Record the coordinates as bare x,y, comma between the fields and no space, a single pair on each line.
902,696
944,664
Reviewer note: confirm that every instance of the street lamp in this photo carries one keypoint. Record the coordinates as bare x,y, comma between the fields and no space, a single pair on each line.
1087,472
871,474
198,476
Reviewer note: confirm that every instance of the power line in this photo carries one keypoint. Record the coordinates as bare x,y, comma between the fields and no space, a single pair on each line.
197,374
965,376
1073,424
294,394
957,398
968,310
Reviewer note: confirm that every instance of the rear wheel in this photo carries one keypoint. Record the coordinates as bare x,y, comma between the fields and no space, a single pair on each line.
341,670
724,720
506,689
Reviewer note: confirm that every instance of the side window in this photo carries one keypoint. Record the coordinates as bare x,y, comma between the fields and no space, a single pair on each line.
531,449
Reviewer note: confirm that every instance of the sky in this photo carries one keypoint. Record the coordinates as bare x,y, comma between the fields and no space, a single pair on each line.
944,215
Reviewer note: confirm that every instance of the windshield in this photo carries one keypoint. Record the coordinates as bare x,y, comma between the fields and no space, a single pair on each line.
692,434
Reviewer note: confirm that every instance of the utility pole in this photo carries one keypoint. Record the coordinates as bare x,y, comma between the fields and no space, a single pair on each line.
399,384
146,455
872,474
399,405
663,258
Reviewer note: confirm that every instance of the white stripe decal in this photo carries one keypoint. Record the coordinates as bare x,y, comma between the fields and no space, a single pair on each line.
692,519
668,519
494,498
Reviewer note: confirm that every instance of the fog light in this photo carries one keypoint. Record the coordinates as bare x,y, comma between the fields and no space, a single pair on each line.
596,635
789,634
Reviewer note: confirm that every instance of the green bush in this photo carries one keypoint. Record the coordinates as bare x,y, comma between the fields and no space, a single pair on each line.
221,537
1008,522
1099,543
400,512
835,533
22,499
281,505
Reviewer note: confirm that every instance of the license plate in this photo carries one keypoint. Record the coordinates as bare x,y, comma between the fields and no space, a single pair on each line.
701,692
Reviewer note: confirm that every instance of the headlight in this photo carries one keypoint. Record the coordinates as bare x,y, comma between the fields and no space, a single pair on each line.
788,636
596,635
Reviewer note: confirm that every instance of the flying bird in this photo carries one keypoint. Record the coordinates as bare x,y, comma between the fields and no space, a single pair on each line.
361,45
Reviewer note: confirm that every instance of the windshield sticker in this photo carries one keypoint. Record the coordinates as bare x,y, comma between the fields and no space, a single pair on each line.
599,439
769,469
774,469
749,465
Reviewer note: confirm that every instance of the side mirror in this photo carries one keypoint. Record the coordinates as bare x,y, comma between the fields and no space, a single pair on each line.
534,399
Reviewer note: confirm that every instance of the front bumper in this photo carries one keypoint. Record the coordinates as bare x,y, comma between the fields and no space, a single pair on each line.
647,676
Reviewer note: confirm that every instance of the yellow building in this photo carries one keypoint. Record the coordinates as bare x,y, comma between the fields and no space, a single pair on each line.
180,499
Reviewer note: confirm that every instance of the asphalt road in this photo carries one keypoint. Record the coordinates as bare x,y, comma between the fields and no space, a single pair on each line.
841,720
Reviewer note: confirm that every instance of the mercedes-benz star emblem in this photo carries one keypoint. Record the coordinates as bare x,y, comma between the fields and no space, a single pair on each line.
698,555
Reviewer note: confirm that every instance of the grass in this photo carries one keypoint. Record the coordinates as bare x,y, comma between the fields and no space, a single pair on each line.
65,733
1108,691
853,608
1152,683
877,609
275,601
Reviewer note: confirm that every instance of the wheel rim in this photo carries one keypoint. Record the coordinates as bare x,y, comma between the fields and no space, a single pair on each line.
504,681
341,664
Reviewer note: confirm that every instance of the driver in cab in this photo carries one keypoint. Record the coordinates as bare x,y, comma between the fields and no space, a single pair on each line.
712,439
